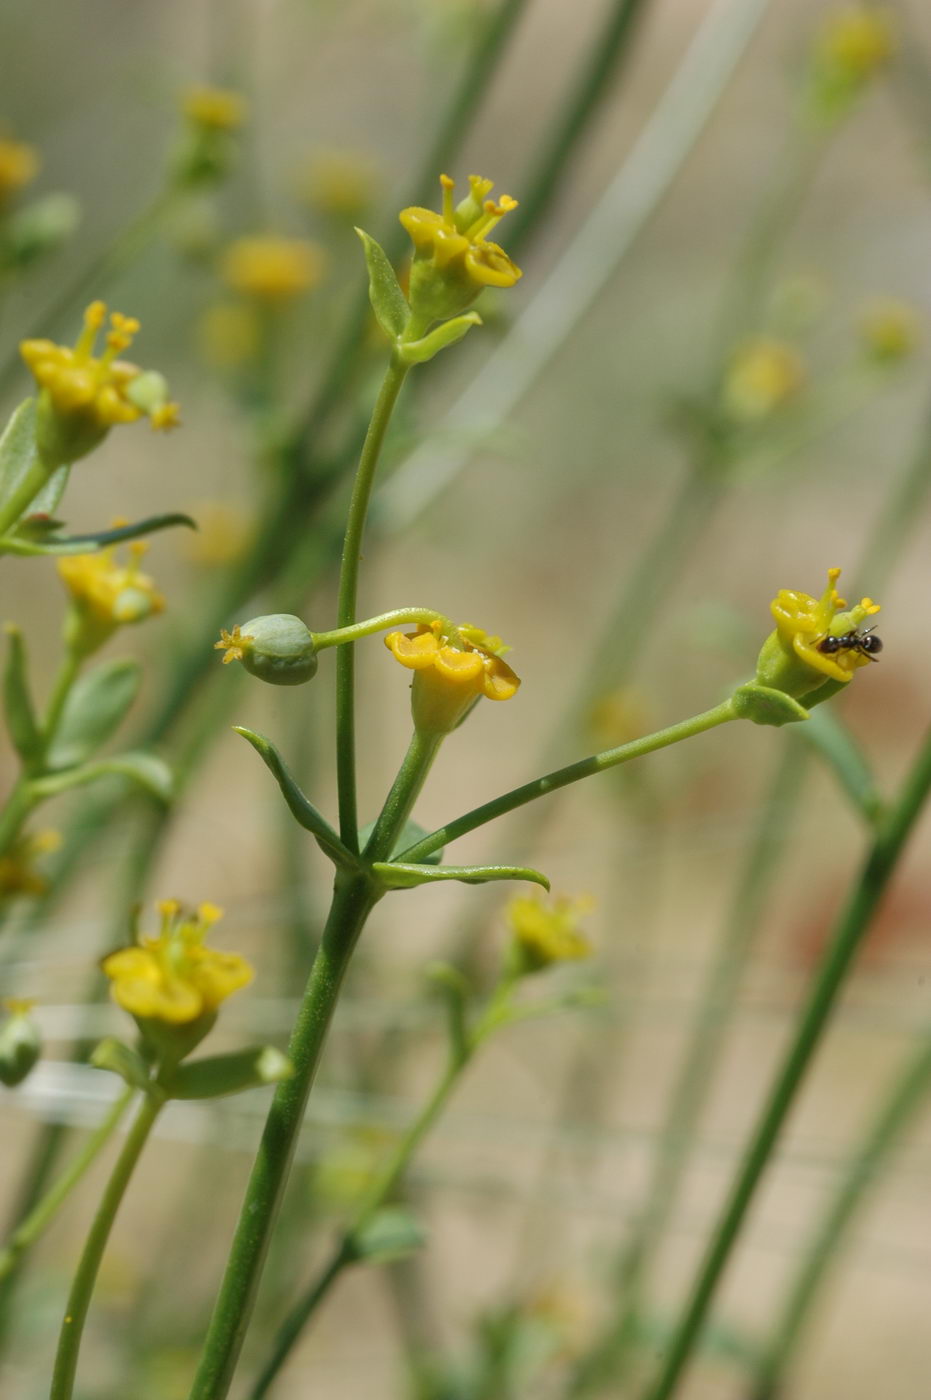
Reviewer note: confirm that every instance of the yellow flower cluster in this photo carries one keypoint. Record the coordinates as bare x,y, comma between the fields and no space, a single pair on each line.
762,376
803,623
890,329
339,183
218,109
174,978
548,934
18,872
453,259
271,269
89,394
109,594
452,672
18,165
857,41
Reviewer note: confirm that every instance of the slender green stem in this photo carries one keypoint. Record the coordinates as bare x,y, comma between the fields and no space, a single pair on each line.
346,604
45,1210
853,924
67,675
29,487
345,1253
412,775
700,1060
551,782
397,617
353,899
15,811
909,1094
69,1342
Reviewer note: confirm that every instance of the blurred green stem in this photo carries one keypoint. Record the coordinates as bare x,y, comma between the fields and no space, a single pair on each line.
79,1298
878,867
45,1210
909,1094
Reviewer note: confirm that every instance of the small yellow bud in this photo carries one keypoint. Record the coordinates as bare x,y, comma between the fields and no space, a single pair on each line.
890,329
18,166
763,375
545,934
340,184
218,109
271,269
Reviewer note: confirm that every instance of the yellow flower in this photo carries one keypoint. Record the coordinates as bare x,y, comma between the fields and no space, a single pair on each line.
545,934
83,396
763,374
229,335
453,671
224,533
618,716
339,183
18,872
890,329
108,594
453,259
273,269
174,978
216,108
816,640
856,41
18,165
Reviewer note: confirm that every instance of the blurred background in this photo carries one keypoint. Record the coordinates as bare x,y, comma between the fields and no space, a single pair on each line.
712,382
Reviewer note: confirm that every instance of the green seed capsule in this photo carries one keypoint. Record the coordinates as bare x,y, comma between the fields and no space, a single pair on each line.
277,648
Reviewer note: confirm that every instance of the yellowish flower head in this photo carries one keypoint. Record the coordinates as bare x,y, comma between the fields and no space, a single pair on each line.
229,334
108,594
224,533
218,109
547,931
18,165
452,671
19,873
174,977
762,376
856,41
272,269
453,258
890,329
798,658
84,395
339,183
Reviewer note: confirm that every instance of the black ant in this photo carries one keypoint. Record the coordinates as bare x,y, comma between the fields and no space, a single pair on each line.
862,643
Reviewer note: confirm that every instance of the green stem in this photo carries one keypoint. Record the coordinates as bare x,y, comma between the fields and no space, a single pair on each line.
345,1253
352,902
412,775
15,811
551,782
67,675
608,47
852,926
29,487
69,1342
45,1210
397,617
697,1075
909,1094
346,604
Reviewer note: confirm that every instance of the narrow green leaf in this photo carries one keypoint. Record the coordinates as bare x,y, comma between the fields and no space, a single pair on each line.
49,498
418,352
832,740
18,454
96,706
391,1233
388,301
112,1054
146,769
301,808
406,877
219,1075
29,540
20,713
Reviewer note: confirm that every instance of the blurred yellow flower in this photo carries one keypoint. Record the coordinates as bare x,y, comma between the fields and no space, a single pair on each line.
18,165
618,716
547,933
762,376
890,329
807,632
224,532
339,183
173,977
273,269
18,872
216,108
108,594
856,41
452,672
453,259
229,335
